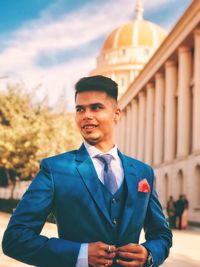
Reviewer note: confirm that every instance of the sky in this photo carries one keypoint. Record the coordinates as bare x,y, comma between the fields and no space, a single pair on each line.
48,45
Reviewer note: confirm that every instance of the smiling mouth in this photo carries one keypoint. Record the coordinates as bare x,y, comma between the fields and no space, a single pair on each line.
89,127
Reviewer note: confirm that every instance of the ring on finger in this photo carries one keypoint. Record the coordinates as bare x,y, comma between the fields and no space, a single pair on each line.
106,264
109,249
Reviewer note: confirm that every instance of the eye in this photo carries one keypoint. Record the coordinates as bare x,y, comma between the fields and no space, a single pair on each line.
79,109
96,107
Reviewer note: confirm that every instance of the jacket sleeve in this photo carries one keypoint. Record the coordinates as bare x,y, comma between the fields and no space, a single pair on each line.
157,233
22,239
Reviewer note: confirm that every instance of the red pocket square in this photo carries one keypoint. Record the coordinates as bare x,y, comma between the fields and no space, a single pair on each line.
143,186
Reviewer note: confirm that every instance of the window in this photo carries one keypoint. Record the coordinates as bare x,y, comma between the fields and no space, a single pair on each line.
197,186
123,51
122,82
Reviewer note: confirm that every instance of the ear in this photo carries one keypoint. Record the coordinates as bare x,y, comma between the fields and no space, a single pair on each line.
117,114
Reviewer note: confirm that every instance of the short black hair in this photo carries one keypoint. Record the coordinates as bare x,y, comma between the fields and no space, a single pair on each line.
97,83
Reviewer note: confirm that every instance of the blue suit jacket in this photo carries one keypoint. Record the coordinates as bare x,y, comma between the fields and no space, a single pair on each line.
68,186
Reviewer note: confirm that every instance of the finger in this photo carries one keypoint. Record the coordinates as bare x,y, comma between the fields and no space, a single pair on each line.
110,255
134,256
104,262
110,248
105,255
130,248
126,255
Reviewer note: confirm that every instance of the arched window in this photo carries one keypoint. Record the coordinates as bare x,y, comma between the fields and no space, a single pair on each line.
147,51
123,51
197,186
122,81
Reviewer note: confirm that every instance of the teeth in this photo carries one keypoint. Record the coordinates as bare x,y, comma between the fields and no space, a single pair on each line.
89,127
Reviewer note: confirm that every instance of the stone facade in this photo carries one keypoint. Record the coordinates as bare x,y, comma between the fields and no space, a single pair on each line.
160,122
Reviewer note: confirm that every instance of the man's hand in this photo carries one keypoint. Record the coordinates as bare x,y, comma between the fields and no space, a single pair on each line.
132,255
101,254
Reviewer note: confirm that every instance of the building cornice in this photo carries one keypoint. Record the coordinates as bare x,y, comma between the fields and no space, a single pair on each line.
179,35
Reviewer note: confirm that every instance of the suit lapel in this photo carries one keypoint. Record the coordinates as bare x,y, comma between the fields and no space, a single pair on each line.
88,174
132,187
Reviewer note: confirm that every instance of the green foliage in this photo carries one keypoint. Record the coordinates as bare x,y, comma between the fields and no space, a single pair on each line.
30,132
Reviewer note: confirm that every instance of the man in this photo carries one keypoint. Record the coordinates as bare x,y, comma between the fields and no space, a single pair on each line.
101,198
179,208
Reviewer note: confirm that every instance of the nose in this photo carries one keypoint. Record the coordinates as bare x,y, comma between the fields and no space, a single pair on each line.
88,114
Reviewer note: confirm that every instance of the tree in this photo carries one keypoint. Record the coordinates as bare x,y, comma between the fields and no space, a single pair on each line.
29,132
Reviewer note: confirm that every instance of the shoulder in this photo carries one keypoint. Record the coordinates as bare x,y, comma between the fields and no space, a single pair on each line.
137,163
60,158
140,167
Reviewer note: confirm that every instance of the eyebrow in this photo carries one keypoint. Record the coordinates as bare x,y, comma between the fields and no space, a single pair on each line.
90,105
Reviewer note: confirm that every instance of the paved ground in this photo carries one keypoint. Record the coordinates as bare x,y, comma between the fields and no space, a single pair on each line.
185,251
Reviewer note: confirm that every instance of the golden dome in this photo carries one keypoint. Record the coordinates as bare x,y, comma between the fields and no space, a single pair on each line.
136,33
128,48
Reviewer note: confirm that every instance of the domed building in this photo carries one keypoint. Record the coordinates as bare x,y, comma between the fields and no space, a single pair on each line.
127,49
160,121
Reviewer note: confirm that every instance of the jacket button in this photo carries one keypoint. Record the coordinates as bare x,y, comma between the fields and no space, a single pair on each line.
114,221
114,200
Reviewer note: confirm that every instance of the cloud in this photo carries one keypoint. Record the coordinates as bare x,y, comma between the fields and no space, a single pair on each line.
72,31
57,31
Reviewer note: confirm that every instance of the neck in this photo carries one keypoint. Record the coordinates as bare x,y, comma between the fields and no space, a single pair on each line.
103,147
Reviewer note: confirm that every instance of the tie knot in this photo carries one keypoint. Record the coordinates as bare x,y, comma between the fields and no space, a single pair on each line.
105,158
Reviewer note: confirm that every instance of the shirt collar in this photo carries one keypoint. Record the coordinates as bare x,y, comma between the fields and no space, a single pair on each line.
93,151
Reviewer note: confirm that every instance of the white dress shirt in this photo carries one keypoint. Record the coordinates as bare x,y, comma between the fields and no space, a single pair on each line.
117,169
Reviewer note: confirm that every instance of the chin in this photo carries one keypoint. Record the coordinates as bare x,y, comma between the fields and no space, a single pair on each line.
92,141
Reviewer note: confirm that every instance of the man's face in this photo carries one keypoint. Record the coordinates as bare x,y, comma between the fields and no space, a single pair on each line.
96,114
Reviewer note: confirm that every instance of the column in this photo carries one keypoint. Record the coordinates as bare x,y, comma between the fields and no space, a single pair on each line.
118,141
159,119
132,76
122,131
171,80
149,124
141,125
116,132
134,127
196,93
184,101
128,129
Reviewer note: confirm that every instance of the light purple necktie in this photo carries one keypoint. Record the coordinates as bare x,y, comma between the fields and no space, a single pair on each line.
109,177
